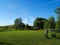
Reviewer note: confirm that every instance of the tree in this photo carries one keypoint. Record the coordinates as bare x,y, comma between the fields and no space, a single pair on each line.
22,26
46,24
28,27
18,23
39,23
46,27
58,17
52,22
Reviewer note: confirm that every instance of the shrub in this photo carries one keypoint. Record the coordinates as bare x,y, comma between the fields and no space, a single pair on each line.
53,35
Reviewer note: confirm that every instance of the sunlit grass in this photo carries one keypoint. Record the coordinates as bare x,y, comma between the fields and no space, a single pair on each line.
27,37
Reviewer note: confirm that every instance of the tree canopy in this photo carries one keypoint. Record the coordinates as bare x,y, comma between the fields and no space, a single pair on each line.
39,23
58,17
52,22
18,23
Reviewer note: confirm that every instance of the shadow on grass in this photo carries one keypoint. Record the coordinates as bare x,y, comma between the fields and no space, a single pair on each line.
58,37
5,43
52,37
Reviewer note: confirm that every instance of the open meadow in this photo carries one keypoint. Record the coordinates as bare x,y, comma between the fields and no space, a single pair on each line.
29,22
26,37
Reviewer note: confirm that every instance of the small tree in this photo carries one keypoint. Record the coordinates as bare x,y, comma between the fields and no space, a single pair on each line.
46,27
18,23
28,27
22,26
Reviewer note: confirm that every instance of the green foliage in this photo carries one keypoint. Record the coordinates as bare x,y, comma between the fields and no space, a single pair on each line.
28,27
6,28
53,35
52,22
3,28
46,24
58,18
58,22
57,10
18,24
22,26
39,23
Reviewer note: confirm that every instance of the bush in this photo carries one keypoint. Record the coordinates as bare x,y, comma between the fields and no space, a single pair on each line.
58,30
53,35
3,29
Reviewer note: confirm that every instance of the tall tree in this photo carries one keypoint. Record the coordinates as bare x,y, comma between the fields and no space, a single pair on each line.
39,23
52,22
58,17
46,27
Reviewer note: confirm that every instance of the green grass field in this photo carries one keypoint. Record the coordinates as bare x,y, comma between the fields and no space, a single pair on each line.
26,38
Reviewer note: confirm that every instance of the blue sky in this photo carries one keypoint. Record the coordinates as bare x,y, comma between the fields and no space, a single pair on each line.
28,10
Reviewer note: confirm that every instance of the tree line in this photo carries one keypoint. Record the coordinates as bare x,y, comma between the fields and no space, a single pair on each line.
39,23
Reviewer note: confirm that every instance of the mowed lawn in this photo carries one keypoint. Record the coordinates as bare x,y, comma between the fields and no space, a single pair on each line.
26,37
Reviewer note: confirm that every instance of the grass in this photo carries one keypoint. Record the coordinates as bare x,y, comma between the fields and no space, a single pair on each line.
26,38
